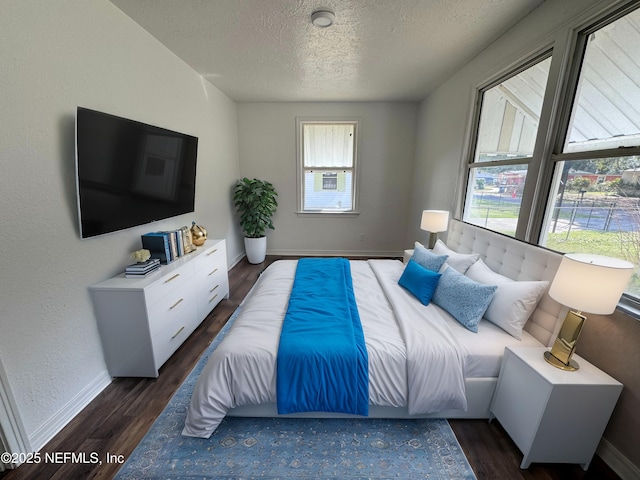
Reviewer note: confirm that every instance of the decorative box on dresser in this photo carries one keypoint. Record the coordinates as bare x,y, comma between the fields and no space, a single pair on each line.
143,321
553,415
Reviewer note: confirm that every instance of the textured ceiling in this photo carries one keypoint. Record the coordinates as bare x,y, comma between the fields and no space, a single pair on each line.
377,50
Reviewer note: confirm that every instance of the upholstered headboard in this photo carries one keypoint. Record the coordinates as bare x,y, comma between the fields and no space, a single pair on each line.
518,261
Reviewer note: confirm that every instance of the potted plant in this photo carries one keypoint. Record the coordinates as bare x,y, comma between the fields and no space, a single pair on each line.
255,202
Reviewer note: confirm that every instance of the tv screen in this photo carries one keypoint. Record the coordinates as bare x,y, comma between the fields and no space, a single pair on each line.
130,173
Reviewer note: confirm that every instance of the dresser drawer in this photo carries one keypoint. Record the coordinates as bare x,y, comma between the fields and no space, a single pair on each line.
169,339
215,250
212,270
177,305
171,281
210,296
214,255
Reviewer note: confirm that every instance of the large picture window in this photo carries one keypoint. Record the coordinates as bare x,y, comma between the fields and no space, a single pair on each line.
593,204
327,163
559,165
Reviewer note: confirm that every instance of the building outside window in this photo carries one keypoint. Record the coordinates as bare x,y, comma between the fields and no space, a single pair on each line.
327,166
330,181
570,181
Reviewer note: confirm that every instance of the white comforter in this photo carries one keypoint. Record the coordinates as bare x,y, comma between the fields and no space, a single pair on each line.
414,360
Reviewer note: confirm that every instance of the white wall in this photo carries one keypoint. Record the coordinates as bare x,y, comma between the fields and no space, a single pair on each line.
439,169
267,134
56,56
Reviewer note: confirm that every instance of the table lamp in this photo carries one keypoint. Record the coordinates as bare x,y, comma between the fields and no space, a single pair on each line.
434,221
583,282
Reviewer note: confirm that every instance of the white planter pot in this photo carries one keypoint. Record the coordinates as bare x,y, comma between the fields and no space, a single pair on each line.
256,249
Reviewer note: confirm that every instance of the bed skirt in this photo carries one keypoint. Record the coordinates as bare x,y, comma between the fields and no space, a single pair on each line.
479,393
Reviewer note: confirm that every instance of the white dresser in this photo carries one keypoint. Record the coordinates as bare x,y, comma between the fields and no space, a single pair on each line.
143,321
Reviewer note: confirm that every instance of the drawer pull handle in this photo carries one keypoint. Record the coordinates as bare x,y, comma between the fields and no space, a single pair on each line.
212,252
214,271
172,278
177,333
213,288
176,304
213,298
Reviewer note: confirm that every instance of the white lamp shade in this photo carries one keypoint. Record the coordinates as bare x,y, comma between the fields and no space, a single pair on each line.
435,221
590,283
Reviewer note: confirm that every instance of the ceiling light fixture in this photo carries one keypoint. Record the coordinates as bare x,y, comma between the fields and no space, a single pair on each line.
322,18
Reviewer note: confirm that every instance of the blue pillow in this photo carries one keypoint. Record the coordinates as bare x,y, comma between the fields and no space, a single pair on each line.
420,281
427,259
465,299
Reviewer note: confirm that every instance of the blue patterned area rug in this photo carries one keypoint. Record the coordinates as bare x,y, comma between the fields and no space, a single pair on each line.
294,448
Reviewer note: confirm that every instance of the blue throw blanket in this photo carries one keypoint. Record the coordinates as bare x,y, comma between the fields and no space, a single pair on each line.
322,363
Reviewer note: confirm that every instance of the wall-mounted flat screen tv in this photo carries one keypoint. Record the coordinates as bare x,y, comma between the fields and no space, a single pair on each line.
130,173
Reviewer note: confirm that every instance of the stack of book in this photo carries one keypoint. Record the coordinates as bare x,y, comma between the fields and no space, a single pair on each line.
168,246
142,269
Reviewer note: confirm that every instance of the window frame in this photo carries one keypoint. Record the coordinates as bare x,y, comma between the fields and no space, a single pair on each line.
567,50
300,168
534,162
628,303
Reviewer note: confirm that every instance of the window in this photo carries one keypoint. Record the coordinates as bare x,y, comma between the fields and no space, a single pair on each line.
594,200
504,144
560,165
327,163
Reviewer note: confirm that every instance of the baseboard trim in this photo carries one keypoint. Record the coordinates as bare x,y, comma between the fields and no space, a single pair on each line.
13,437
62,417
617,461
336,253
235,260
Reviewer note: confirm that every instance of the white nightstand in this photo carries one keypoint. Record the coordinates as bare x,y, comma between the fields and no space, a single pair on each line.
553,415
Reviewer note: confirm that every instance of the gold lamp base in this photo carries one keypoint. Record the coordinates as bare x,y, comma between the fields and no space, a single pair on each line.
570,367
564,346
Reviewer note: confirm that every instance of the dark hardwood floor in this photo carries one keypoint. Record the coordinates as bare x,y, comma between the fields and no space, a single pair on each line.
117,419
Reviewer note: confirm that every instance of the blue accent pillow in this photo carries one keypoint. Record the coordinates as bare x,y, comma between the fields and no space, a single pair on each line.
465,299
427,259
420,281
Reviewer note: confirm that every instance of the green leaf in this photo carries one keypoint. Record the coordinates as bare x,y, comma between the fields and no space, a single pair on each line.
255,201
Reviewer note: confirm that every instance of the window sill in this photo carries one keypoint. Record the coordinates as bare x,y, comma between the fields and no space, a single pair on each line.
327,213
629,307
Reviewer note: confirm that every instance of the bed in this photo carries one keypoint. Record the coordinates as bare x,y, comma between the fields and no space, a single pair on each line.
401,334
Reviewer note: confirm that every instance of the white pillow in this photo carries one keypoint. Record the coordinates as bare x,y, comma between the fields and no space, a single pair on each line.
459,261
513,303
